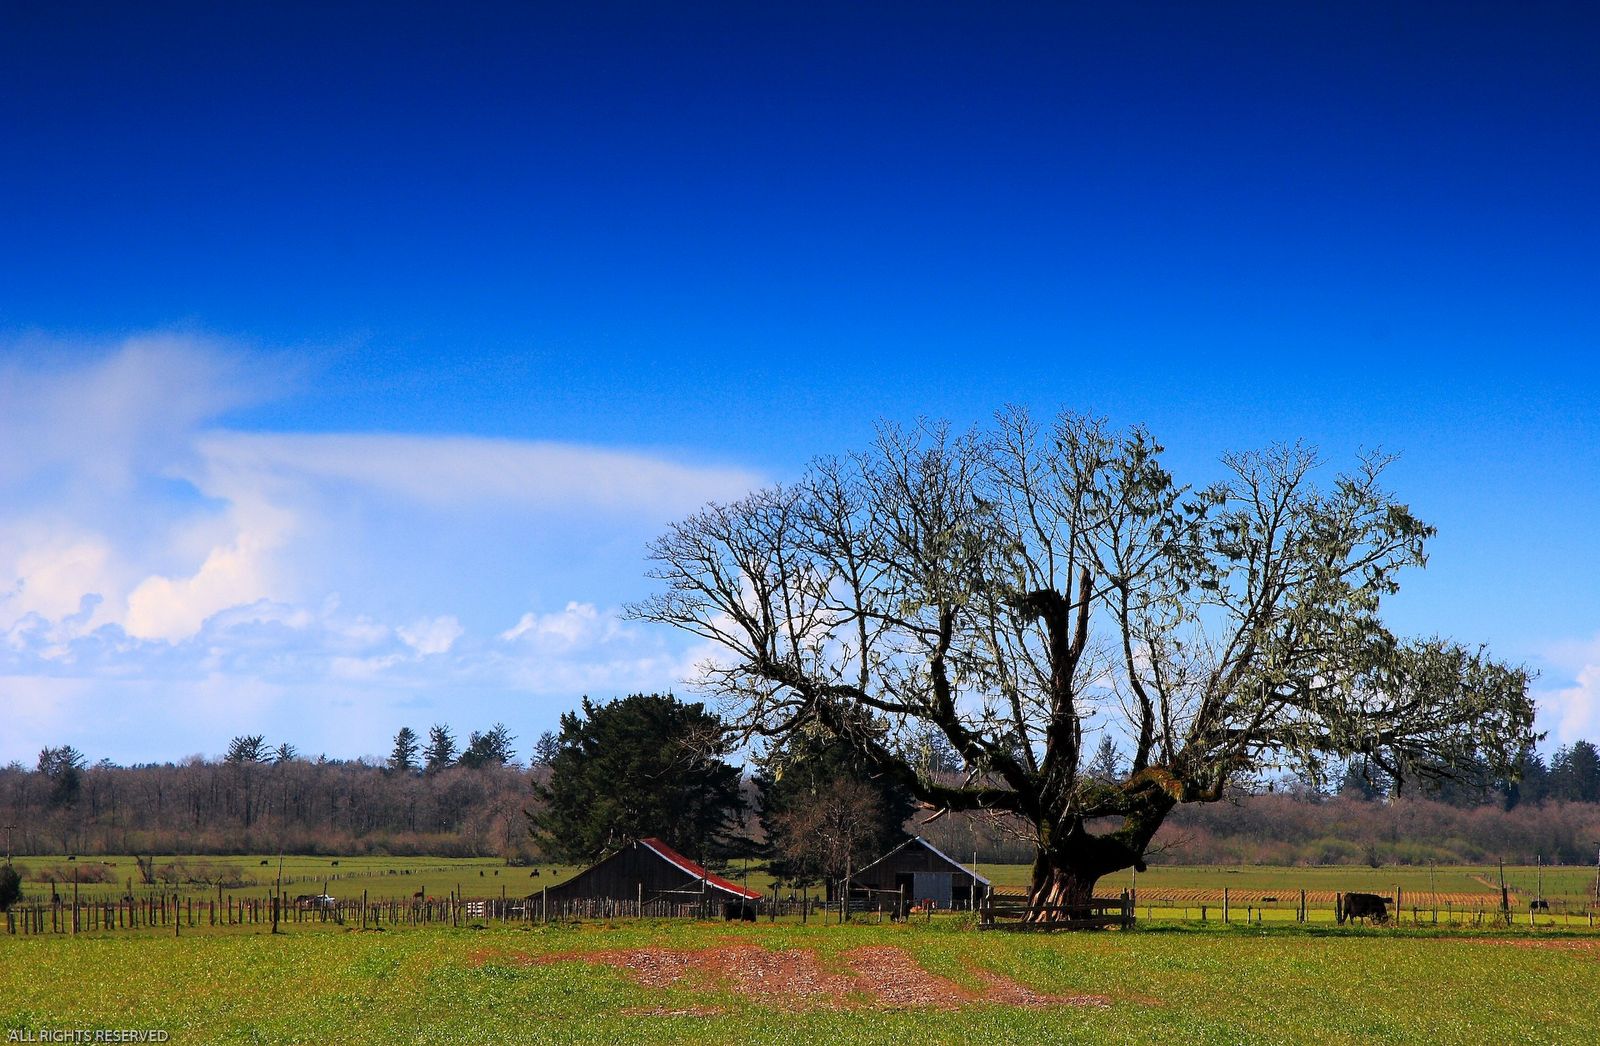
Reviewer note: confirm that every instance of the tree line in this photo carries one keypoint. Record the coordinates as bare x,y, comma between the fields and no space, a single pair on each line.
809,804
439,798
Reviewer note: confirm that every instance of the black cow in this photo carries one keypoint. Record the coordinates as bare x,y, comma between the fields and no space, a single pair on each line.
739,911
1538,906
1363,906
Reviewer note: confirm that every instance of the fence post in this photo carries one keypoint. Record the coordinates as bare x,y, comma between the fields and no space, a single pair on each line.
1224,904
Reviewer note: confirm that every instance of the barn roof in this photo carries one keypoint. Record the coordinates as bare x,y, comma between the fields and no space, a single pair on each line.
677,859
917,840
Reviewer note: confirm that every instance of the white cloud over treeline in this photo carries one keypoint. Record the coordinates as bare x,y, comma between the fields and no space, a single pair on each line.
149,547
1568,693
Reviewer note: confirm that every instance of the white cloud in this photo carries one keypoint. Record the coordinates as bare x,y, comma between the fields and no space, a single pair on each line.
579,624
54,571
233,574
102,418
164,579
1572,712
434,636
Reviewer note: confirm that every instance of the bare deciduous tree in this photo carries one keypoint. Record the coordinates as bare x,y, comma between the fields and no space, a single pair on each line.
1028,588
823,835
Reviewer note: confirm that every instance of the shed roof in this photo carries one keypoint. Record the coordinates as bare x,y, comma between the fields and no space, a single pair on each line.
917,840
677,859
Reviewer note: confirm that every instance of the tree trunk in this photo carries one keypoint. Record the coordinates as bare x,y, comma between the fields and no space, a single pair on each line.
1061,885
1069,861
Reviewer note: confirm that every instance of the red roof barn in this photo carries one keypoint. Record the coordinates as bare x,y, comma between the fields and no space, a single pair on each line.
651,870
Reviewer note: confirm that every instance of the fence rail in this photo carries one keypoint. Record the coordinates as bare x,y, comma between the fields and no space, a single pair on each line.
1001,909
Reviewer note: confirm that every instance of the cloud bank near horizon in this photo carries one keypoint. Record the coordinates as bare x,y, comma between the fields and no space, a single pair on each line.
167,581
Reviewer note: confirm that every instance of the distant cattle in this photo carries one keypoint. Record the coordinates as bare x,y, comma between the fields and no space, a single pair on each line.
1538,906
737,911
1361,906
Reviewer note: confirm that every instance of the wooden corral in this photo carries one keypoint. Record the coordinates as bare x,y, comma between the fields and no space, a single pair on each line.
916,874
651,873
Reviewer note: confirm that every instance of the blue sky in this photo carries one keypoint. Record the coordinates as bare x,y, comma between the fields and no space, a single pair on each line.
349,355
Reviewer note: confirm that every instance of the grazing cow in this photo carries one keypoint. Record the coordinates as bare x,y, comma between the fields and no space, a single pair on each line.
534,874
1538,906
739,911
1363,906
417,896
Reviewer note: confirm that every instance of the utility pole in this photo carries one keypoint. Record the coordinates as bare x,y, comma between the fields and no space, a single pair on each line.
8,829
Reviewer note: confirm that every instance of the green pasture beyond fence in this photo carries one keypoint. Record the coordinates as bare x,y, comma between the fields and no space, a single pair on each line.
175,913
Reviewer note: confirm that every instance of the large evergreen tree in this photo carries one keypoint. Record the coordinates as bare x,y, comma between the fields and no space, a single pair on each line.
441,751
1575,773
491,748
403,759
63,767
645,765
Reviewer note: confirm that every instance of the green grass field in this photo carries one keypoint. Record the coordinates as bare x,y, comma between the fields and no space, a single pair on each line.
381,877
581,985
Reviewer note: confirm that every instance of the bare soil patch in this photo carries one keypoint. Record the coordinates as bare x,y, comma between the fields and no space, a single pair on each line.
882,977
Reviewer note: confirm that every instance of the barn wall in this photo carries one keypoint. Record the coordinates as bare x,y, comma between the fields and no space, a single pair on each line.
618,877
910,861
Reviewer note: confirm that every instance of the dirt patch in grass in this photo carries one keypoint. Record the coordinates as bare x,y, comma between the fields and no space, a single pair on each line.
879,977
896,981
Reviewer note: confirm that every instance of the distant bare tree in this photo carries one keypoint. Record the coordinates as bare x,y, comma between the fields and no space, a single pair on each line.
824,834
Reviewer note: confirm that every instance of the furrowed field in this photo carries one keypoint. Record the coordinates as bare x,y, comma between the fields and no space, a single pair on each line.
682,981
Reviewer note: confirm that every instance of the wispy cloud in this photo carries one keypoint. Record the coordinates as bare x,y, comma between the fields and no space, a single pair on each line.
463,472
145,541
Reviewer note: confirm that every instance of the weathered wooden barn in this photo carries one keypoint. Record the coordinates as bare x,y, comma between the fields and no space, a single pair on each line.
919,873
651,874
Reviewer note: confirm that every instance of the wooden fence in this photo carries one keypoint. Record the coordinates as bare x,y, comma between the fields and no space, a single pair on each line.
177,913
1404,907
1001,910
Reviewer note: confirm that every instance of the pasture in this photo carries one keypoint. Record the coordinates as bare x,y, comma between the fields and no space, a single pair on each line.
383,878
1163,892
681,981
391,876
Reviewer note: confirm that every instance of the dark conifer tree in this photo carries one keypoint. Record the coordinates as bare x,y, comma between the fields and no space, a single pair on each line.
645,765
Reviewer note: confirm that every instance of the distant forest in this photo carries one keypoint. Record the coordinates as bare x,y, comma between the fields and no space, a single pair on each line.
430,799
